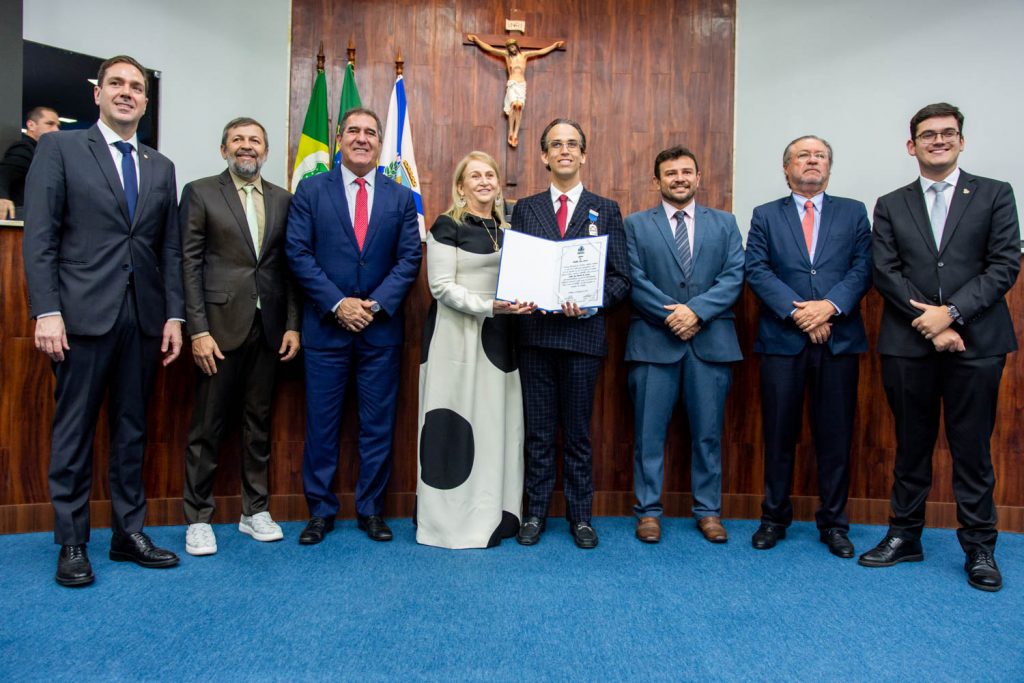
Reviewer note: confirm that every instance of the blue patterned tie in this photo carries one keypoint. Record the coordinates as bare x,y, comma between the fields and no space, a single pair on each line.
683,244
938,215
131,182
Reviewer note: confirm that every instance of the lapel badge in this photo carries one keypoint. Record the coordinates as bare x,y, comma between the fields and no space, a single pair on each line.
592,215
592,230
966,191
145,156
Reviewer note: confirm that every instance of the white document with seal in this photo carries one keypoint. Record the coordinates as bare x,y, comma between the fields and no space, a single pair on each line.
550,273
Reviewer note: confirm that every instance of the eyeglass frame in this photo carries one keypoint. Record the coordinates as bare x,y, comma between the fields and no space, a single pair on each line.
947,135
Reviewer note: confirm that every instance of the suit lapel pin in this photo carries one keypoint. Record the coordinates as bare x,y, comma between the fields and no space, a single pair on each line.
592,228
145,156
966,191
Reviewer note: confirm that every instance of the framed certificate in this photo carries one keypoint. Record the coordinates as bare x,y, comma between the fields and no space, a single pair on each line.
550,273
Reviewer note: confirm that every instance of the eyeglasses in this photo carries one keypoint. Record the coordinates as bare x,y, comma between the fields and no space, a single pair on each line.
557,145
948,135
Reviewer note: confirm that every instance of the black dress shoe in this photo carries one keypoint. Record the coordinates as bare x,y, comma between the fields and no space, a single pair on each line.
138,548
375,527
584,535
892,550
838,542
530,531
316,529
73,566
767,535
982,572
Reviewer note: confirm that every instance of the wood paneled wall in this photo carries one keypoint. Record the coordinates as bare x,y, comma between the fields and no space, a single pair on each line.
639,76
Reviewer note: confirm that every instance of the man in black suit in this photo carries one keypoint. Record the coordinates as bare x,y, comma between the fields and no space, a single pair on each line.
243,315
561,353
18,157
946,251
103,265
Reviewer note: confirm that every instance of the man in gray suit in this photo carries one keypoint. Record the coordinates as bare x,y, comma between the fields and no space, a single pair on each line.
686,265
243,315
103,266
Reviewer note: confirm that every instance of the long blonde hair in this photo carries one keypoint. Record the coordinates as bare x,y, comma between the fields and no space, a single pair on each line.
456,212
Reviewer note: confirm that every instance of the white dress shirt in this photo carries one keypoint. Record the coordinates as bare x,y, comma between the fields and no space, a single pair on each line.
688,211
110,137
570,206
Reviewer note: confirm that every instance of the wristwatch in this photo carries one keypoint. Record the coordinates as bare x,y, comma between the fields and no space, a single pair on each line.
954,313
374,307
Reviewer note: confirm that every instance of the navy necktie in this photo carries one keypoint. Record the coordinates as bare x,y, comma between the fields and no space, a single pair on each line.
131,183
683,244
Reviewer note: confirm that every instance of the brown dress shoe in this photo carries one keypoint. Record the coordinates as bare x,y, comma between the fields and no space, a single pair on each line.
712,529
648,529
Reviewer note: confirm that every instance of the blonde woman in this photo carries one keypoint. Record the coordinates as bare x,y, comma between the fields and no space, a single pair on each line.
470,485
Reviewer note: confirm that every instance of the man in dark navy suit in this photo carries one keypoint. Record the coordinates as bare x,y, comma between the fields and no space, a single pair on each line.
103,265
353,245
809,262
561,353
946,251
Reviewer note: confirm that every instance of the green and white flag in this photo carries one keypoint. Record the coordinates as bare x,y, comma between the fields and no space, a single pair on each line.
314,153
349,100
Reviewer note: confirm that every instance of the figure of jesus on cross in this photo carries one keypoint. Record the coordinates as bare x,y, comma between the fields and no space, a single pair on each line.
515,88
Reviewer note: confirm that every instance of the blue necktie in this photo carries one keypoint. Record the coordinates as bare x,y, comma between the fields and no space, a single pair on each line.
131,183
683,244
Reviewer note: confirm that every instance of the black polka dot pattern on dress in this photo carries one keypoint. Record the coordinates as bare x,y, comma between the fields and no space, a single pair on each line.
428,331
446,449
497,340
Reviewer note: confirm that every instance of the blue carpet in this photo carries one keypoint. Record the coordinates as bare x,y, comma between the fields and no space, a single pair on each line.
350,609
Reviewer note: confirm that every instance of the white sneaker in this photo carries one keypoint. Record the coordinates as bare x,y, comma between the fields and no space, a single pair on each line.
261,527
200,540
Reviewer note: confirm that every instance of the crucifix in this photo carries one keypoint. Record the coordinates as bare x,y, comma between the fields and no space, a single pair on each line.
515,49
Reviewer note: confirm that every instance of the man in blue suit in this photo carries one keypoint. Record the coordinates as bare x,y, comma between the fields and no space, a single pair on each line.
561,354
809,261
103,267
353,245
686,265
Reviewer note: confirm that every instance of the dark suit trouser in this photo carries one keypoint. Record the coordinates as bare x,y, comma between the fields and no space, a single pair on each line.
967,389
831,386
122,361
377,376
558,389
246,372
655,388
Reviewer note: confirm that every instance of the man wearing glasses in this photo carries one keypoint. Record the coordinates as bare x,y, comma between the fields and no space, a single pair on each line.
946,251
560,354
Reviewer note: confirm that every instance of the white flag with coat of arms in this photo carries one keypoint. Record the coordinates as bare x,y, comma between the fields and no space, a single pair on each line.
397,160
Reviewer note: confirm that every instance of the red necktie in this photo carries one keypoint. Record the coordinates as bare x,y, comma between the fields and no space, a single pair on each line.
362,214
809,225
563,214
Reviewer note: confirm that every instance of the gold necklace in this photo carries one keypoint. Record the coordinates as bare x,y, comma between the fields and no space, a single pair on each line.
487,229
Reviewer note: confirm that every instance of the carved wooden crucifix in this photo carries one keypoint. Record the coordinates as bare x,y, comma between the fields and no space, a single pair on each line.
516,49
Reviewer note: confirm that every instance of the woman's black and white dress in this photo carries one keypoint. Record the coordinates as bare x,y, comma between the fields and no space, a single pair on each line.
470,486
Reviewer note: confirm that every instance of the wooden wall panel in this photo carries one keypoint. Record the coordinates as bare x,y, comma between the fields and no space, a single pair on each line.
639,75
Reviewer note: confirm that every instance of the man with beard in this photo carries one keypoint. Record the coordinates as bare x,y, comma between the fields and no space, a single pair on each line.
686,265
946,251
243,315
103,267
515,88
809,262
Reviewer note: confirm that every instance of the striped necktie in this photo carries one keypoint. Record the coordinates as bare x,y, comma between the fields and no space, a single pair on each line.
683,244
